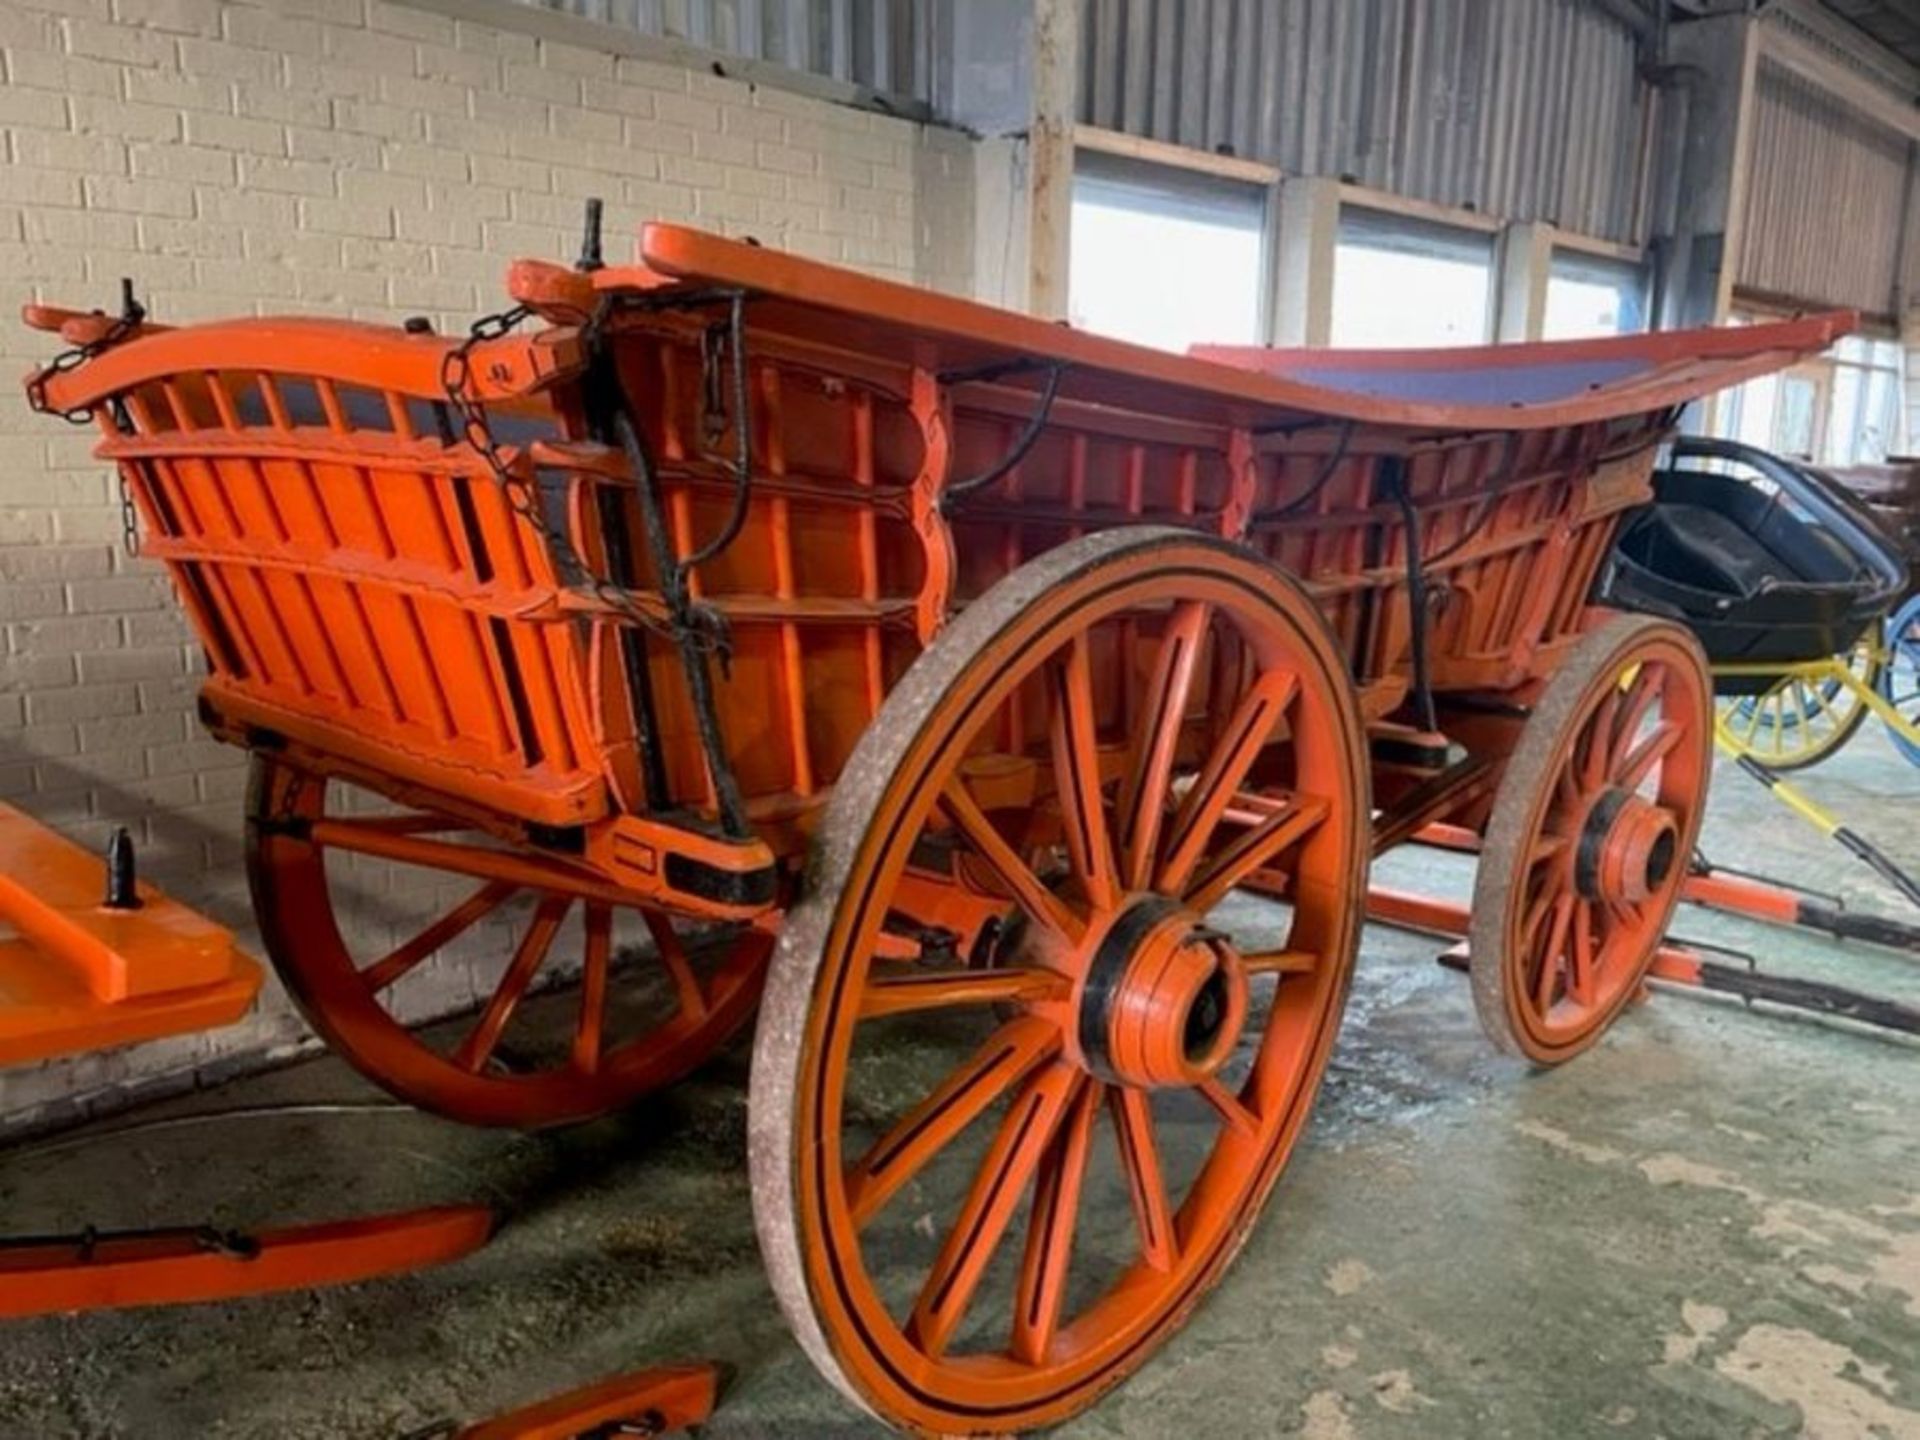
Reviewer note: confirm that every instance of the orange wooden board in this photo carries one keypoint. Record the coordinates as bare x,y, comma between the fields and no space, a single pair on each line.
76,976
182,1267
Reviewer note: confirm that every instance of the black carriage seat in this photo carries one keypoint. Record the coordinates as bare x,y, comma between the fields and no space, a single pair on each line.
1766,561
1690,534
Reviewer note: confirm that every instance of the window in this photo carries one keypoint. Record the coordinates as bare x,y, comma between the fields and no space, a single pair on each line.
1864,424
1588,295
1401,282
1166,257
1842,408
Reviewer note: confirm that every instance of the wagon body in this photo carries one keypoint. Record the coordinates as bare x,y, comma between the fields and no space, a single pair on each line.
365,590
1039,646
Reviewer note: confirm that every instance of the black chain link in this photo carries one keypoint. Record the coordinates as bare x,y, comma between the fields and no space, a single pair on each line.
132,315
521,489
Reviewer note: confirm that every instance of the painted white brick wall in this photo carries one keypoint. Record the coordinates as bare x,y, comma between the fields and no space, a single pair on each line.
355,157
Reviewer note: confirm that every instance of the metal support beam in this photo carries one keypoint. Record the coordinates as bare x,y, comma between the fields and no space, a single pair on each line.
1847,85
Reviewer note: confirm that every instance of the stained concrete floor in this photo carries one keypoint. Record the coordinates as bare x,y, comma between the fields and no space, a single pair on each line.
1710,1226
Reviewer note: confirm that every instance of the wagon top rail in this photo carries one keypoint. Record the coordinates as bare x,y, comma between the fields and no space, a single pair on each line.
834,311
1540,385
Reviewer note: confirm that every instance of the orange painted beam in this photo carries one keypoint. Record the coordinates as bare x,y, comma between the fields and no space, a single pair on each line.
186,1266
651,1401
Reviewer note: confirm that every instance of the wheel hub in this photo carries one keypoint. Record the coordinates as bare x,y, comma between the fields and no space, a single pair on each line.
1162,1001
1627,850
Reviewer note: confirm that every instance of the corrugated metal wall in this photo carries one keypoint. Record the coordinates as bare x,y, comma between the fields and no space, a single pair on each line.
1826,200
884,45
1524,109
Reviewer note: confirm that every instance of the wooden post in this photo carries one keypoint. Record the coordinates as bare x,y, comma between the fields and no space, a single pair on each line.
1309,230
1055,79
1526,262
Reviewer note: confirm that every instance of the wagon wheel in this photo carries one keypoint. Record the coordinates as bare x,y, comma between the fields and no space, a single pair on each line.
1589,838
902,1113
1799,720
650,1003
1900,678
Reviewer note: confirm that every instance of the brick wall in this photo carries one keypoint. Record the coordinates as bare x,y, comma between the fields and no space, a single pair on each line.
354,157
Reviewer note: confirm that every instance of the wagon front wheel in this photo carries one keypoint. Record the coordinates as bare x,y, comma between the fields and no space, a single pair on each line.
573,1002
1590,837
1028,1065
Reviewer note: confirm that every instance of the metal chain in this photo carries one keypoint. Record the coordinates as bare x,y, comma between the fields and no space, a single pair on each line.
521,490
132,314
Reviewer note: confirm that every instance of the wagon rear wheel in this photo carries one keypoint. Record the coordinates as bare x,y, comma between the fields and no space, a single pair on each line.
1590,837
994,1169
452,922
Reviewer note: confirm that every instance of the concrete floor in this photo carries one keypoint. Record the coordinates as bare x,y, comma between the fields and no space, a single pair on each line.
1710,1226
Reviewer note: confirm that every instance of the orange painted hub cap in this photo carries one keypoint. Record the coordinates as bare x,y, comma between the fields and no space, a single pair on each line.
1162,1001
1627,849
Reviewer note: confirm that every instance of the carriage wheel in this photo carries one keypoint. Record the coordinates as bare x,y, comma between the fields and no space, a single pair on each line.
1900,678
1798,722
1590,837
650,1003
1181,719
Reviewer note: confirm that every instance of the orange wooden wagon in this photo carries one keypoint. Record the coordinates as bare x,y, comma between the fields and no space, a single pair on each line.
915,671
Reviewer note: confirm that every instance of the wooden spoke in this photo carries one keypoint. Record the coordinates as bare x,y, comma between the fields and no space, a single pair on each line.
1551,954
1596,743
1641,694
385,972
1297,818
1034,897
1229,1107
1581,958
1076,766
1279,962
944,989
1143,798
1024,1138
1051,1224
1638,762
1547,847
1146,1185
478,1047
593,988
1246,734
1008,1055
673,955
